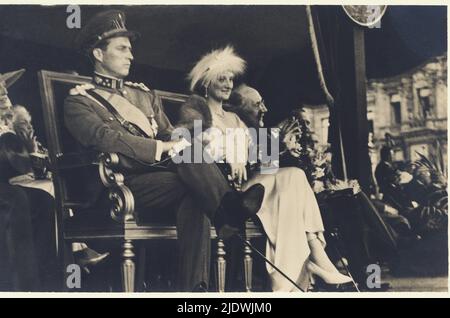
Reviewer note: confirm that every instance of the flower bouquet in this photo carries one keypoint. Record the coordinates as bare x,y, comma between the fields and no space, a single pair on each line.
314,159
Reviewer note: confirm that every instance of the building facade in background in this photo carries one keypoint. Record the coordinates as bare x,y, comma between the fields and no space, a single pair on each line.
411,108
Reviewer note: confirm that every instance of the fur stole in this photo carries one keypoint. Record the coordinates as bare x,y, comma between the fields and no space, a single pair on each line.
195,108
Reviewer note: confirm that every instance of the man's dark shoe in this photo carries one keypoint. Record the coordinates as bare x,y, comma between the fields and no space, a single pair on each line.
236,208
89,257
252,199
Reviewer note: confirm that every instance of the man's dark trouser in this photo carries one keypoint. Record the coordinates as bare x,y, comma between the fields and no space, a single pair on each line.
27,239
197,191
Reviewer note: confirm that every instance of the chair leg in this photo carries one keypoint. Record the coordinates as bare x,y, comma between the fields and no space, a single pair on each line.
65,258
141,269
221,264
248,269
128,267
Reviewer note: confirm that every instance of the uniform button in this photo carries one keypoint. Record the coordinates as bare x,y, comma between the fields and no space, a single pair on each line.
111,118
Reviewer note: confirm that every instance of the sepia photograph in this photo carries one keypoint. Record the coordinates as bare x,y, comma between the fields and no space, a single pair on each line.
185,149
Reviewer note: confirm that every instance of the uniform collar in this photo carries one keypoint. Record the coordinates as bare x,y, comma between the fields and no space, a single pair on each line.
107,81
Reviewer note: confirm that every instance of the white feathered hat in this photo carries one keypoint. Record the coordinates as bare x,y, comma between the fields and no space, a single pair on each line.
215,63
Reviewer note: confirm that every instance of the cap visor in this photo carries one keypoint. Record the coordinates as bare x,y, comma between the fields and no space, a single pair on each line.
132,35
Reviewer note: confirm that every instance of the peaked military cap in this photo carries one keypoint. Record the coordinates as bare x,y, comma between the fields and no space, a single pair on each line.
104,25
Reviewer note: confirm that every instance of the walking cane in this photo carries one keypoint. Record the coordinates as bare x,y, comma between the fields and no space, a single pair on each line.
335,236
267,261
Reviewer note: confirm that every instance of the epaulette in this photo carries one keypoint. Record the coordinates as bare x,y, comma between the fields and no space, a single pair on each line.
138,85
81,89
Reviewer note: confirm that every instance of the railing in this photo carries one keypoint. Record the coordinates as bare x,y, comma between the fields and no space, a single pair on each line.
411,125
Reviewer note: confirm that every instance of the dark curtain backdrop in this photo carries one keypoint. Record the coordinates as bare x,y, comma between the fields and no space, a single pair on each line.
273,39
408,36
335,36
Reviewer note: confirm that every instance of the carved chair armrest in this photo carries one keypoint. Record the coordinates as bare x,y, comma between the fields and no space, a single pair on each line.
121,197
73,160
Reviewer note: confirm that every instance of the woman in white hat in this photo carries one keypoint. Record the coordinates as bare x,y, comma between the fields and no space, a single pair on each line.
289,213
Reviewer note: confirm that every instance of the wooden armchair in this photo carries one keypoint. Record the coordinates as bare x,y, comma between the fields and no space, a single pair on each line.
69,163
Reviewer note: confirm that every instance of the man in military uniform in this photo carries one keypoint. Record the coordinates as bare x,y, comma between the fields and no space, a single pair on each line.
110,115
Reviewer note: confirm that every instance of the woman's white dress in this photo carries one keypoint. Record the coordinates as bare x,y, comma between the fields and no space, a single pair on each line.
289,210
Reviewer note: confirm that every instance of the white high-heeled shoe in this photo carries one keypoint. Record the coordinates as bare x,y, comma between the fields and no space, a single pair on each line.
332,278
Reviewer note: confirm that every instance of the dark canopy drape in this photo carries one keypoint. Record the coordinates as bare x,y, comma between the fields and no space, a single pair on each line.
408,36
339,53
275,40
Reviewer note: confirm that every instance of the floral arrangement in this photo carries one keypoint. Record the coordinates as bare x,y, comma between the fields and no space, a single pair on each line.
431,167
314,159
